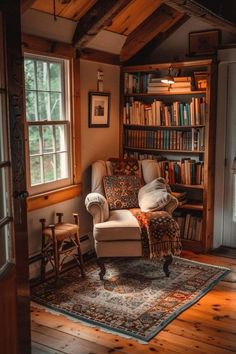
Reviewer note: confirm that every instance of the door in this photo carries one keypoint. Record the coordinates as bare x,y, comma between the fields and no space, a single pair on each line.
229,217
14,278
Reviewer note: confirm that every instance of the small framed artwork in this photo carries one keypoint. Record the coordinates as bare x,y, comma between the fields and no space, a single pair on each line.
99,109
203,43
200,79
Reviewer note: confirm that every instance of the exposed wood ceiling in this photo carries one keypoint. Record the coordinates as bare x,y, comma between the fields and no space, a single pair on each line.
142,22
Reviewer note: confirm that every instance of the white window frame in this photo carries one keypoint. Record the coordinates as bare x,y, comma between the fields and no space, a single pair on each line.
67,122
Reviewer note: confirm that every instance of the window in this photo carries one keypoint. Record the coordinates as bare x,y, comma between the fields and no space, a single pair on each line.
48,123
6,229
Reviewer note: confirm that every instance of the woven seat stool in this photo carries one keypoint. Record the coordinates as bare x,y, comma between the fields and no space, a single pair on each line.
60,241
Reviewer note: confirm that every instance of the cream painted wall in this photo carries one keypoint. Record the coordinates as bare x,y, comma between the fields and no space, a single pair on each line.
96,143
176,46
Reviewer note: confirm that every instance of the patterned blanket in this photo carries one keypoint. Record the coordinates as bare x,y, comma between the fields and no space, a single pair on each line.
160,234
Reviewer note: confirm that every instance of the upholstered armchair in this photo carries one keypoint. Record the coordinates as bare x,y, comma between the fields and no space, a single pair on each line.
116,228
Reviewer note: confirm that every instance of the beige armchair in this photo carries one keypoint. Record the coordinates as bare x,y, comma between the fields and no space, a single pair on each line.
117,232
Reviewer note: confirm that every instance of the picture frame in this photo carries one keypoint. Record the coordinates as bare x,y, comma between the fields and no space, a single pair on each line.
204,42
99,109
200,80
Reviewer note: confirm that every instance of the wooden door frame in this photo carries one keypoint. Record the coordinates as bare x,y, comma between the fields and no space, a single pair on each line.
14,75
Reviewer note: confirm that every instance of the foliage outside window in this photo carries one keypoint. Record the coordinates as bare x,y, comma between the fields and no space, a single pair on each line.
48,123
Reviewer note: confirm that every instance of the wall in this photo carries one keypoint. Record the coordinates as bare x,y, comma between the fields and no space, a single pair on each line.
96,143
176,46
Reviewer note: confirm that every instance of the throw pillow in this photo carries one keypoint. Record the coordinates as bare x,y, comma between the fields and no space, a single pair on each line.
121,191
124,167
154,195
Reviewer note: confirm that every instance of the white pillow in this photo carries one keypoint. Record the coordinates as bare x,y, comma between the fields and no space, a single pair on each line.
154,195
150,169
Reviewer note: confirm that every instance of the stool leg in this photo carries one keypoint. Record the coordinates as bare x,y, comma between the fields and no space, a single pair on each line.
43,260
55,251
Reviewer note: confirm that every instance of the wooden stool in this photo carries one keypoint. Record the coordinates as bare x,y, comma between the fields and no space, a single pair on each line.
58,242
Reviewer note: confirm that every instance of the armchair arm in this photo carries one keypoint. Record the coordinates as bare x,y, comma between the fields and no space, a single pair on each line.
172,205
96,204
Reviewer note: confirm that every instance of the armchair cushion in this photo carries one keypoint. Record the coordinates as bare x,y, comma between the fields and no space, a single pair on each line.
124,167
121,226
121,191
154,195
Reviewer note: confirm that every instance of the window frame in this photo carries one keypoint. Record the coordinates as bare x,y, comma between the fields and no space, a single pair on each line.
66,122
40,46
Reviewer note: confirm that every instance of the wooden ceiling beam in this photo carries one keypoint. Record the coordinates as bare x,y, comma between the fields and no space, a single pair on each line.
143,56
193,8
25,5
98,17
160,21
98,56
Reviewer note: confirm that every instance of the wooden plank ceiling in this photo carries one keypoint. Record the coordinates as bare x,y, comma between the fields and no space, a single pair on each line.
140,21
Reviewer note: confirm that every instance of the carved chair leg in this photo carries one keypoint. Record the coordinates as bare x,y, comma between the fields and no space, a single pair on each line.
101,264
168,261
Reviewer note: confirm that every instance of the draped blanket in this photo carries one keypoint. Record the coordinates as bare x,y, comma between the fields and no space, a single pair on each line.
160,235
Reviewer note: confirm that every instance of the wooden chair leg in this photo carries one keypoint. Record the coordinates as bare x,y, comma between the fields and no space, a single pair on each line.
168,261
101,264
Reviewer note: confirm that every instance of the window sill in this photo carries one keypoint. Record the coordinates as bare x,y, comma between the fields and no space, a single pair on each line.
53,197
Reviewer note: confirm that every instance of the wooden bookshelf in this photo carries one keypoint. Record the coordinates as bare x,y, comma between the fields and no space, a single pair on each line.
177,125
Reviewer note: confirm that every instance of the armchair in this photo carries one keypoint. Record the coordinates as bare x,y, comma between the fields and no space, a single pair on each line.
117,232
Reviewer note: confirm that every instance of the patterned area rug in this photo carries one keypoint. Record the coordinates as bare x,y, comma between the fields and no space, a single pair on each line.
136,298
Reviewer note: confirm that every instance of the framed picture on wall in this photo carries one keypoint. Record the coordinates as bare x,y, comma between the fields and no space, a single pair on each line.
204,42
99,109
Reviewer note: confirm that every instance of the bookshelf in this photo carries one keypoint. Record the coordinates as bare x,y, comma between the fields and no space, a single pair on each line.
175,124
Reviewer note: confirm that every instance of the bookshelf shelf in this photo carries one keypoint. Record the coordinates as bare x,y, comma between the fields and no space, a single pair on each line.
168,93
152,127
163,150
194,186
175,125
191,206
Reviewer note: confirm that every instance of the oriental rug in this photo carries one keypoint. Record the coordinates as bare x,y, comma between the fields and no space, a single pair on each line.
135,299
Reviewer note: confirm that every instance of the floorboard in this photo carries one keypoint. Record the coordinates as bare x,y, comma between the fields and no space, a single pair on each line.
209,326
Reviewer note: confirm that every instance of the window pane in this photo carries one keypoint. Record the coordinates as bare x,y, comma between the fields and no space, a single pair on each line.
5,245
31,111
60,131
48,139
62,165
42,76
29,74
34,140
55,101
49,168
55,76
35,170
3,212
43,104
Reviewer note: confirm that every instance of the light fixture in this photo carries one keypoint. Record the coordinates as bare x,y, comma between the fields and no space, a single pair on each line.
169,78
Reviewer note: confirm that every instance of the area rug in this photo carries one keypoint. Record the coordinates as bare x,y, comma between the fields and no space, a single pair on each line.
135,299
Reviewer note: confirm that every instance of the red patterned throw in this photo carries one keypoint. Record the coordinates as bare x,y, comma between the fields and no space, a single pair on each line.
160,234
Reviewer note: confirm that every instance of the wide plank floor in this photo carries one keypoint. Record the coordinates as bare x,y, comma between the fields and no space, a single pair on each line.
209,326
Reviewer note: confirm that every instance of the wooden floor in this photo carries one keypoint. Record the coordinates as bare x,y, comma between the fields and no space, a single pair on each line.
209,326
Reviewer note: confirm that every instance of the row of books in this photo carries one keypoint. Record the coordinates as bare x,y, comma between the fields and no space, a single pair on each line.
159,113
180,85
186,171
190,227
162,139
143,82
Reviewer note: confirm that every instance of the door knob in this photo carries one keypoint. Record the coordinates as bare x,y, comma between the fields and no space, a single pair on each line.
20,195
